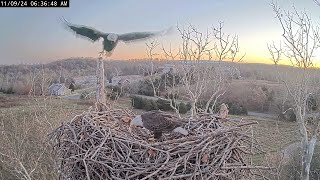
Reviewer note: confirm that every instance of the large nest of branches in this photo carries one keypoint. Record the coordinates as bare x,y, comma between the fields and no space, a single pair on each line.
101,145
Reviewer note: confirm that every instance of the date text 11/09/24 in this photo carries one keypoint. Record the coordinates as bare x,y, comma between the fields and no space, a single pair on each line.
34,3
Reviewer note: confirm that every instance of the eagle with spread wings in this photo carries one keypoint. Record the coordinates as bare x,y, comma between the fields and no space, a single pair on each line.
110,40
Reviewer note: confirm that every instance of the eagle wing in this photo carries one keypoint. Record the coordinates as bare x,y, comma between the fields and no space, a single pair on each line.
93,35
87,32
158,121
136,36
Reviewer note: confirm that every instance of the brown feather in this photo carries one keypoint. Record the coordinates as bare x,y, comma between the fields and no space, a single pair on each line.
159,122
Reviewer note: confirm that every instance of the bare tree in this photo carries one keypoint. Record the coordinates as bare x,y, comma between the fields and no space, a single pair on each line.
301,42
195,46
226,47
31,81
196,77
159,79
205,77
150,65
45,77
217,88
275,52
172,80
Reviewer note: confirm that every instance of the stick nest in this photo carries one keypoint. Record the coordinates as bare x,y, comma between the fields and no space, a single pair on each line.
100,145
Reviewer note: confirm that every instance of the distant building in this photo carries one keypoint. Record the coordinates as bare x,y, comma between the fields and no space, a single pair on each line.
122,80
59,90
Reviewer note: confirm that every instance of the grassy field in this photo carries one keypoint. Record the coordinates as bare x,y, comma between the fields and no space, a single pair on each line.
25,123
24,127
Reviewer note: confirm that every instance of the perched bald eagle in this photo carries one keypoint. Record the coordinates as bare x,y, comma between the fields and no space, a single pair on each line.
159,122
110,40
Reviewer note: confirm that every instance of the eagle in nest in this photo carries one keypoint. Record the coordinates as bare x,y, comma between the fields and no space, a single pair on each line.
159,122
110,40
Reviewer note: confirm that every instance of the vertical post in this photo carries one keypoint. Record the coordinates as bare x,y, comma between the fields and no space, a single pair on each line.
100,93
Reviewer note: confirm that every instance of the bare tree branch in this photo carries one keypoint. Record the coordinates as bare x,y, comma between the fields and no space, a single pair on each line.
301,42
225,46
275,53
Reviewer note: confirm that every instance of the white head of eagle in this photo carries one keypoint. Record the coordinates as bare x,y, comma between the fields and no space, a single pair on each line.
137,121
159,122
112,37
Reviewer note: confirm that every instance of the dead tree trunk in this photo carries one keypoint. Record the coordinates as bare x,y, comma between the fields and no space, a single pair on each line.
307,145
100,93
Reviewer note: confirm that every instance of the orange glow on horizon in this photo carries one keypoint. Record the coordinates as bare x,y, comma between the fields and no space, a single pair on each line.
138,51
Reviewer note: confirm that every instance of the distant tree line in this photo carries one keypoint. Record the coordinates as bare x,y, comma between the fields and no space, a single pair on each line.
164,105
160,104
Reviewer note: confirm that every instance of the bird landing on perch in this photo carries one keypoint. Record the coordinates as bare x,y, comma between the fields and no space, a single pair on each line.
110,41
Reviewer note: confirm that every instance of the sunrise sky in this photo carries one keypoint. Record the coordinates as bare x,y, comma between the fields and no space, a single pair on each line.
30,35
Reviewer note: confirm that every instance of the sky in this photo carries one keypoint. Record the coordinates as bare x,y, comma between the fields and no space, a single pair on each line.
37,35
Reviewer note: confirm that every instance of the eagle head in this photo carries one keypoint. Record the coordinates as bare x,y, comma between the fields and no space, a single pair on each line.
112,37
137,121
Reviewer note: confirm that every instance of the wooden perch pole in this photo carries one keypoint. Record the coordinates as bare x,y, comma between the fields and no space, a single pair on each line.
100,93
